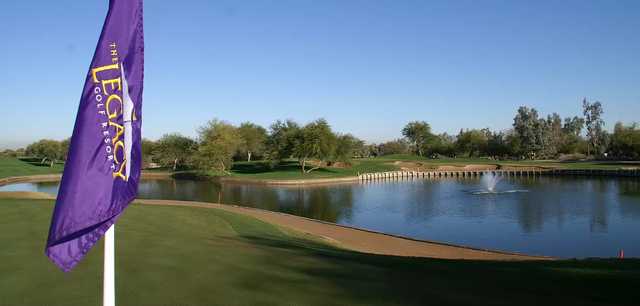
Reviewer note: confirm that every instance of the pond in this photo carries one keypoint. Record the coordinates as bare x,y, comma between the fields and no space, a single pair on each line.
554,216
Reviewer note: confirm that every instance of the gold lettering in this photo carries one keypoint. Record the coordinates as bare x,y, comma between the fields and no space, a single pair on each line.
111,82
119,173
119,132
95,71
123,163
118,110
116,145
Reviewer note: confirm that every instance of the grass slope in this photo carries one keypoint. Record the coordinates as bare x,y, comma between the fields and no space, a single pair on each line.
10,166
290,170
462,161
197,256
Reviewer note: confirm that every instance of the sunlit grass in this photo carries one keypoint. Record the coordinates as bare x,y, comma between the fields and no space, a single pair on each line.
11,166
200,256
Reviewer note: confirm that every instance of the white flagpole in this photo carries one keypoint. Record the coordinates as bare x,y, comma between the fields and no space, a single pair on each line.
108,283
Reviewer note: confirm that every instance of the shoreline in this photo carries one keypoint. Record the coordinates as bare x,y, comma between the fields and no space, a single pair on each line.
359,239
348,237
168,175
633,173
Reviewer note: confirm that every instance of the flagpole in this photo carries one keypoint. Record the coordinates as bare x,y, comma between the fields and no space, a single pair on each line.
108,283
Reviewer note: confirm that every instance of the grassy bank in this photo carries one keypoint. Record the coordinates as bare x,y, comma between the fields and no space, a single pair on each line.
11,166
434,163
290,170
197,256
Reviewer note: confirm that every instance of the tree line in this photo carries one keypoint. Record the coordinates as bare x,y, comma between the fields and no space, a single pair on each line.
532,136
313,145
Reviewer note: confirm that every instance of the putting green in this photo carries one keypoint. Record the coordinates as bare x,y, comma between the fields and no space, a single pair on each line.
199,256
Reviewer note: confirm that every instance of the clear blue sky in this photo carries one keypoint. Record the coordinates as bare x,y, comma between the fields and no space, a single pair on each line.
366,66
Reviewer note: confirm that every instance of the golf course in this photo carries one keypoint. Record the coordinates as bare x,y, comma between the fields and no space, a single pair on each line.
200,256
319,153
182,255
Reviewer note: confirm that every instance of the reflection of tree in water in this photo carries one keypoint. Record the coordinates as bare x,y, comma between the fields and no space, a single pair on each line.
250,195
422,199
169,189
629,187
48,187
530,214
553,198
629,197
600,212
547,201
331,204
322,203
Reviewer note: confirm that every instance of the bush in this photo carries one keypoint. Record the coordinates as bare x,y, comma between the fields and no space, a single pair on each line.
572,157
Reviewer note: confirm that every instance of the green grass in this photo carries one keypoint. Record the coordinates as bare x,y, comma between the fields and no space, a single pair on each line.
462,161
11,166
289,170
197,256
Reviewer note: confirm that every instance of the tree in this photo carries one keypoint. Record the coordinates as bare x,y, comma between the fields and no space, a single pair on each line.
45,149
594,123
534,133
497,145
348,146
315,141
398,146
625,141
218,142
555,135
253,138
360,148
471,142
282,139
525,125
9,153
64,148
418,133
512,140
443,144
573,126
370,150
572,142
148,149
174,149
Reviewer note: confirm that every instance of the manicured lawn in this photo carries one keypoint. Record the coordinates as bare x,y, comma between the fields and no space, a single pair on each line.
485,161
289,170
10,166
198,256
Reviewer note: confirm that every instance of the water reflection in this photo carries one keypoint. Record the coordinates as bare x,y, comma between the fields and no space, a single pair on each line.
331,204
559,216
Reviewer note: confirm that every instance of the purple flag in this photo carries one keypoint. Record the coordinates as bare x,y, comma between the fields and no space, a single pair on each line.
103,166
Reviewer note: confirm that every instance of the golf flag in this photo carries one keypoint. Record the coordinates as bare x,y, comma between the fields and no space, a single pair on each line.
101,174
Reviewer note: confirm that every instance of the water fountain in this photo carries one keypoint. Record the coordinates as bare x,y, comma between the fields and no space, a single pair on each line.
490,181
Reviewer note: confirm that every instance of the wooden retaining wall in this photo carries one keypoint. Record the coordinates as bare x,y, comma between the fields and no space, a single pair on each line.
510,172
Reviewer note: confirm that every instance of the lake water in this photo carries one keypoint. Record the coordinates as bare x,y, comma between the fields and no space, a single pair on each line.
555,216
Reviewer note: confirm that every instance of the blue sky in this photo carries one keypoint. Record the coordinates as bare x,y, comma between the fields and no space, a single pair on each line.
368,67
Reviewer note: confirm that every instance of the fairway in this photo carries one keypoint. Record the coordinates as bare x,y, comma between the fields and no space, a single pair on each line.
11,166
201,256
